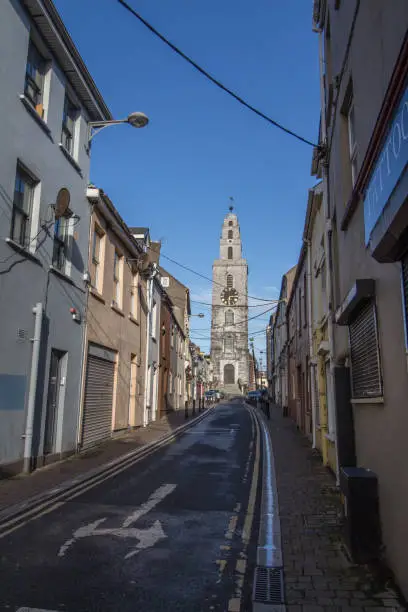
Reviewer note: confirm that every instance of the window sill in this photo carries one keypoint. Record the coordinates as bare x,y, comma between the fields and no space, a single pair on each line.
367,400
23,251
132,318
117,310
62,275
35,115
71,160
97,295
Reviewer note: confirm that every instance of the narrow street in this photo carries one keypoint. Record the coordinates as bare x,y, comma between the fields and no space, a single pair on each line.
176,531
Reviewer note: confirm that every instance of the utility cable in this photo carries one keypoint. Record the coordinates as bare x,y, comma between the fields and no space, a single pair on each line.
213,281
213,80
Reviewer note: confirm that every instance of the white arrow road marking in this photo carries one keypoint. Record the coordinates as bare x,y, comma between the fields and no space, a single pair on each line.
34,610
147,537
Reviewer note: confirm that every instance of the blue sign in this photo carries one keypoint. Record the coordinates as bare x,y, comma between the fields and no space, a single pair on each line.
391,162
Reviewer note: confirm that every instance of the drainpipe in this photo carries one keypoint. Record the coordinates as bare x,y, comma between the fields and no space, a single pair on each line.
150,282
84,341
28,434
310,335
327,234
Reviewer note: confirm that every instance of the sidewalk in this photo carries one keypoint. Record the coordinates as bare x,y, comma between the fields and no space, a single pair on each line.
318,575
19,488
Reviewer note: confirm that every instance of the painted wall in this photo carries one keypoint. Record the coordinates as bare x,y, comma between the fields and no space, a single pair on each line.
380,429
116,327
24,279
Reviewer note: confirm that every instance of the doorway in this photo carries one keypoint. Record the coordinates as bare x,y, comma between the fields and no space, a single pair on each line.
229,374
53,401
133,390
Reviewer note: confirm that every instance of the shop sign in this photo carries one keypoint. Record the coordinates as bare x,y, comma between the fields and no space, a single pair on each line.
390,164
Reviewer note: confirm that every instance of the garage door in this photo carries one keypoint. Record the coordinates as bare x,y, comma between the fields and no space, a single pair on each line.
97,416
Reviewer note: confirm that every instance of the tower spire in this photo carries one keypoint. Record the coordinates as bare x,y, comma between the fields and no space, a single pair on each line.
231,199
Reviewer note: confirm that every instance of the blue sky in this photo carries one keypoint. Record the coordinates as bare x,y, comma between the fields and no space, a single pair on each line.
201,147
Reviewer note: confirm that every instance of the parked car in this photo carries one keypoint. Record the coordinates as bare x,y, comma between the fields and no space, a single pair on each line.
254,395
211,395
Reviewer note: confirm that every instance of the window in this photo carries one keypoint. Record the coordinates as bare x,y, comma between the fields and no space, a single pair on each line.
230,223
230,234
304,300
328,80
96,264
134,296
316,403
229,344
229,317
34,79
172,337
299,303
324,305
61,243
230,281
366,379
229,252
68,125
22,208
154,319
331,425
352,142
117,285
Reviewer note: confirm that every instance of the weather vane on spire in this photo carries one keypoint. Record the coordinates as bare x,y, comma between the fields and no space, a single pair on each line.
231,199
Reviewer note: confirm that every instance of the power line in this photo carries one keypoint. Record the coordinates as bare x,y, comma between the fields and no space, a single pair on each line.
213,79
213,281
237,306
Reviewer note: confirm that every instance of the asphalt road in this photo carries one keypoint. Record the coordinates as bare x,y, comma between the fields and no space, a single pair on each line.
175,532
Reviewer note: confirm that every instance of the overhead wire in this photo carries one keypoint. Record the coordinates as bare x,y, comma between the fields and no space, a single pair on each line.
177,263
213,80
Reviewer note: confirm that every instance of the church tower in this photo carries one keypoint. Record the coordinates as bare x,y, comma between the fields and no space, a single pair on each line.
229,323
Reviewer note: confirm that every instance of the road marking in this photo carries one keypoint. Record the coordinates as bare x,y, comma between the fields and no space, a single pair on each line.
234,604
43,513
249,518
231,527
25,609
147,537
153,500
111,469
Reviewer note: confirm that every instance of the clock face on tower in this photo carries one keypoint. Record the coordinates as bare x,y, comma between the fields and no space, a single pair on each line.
229,296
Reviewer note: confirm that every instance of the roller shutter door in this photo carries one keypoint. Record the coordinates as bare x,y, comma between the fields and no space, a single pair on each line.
365,354
97,417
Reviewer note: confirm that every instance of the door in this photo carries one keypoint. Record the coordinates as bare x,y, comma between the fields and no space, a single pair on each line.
133,391
97,417
52,402
229,374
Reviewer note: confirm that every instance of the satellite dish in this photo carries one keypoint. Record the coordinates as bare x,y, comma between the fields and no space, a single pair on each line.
62,202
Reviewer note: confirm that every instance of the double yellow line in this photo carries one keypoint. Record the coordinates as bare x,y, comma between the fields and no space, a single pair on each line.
234,604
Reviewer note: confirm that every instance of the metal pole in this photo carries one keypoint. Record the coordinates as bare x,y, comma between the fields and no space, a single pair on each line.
28,435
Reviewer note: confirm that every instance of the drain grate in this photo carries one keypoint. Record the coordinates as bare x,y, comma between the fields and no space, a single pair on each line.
325,520
268,585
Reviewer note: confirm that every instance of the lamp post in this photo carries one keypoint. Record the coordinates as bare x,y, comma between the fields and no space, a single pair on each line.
137,120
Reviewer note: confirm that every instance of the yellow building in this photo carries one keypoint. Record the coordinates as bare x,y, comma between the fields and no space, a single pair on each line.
324,422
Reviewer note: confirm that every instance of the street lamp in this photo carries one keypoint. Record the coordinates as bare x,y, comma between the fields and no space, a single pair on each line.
137,120
201,315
